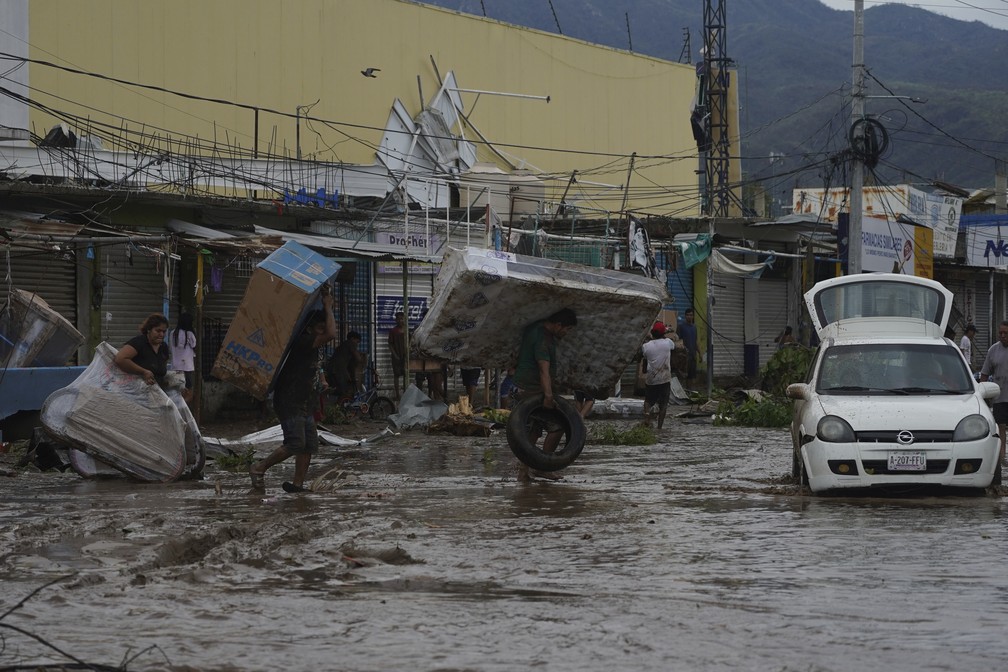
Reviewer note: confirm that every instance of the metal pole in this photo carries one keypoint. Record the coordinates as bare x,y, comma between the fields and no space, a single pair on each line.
710,316
857,169
991,323
406,327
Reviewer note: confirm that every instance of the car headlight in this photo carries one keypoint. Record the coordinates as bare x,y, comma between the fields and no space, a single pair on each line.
972,428
834,430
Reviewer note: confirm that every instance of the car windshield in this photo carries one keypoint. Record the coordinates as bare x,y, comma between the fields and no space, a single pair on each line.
893,368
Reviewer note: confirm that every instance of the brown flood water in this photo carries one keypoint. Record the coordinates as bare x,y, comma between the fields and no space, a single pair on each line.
425,553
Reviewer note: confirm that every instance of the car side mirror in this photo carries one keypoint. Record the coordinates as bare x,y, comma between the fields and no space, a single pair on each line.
798,391
989,390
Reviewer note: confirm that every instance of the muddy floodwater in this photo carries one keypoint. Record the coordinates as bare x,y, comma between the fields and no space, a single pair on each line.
426,553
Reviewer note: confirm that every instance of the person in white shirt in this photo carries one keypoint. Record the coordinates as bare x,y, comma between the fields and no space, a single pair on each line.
182,343
995,369
966,344
657,354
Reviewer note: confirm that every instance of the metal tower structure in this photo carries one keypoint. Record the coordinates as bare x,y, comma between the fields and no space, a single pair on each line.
716,80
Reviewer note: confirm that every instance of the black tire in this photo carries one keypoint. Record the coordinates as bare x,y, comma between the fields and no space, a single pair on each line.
798,469
381,408
997,473
528,453
798,472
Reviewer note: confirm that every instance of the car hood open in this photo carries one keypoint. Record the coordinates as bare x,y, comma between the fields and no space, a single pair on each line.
915,412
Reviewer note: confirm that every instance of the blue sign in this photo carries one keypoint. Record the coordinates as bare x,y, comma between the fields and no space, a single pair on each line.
388,306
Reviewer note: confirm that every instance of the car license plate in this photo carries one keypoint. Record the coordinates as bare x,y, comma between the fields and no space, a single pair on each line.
908,461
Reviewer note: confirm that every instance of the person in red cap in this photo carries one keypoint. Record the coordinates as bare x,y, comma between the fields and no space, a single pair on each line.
657,353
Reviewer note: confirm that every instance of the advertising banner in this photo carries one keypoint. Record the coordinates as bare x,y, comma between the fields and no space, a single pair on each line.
939,213
387,306
986,241
415,241
891,247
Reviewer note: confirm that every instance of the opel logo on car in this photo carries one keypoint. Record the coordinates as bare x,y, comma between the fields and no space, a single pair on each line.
905,437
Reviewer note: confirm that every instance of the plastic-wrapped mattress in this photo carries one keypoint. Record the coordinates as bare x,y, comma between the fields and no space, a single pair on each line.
483,299
118,419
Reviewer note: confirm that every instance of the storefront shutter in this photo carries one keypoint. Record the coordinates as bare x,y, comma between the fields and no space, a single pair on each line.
772,315
729,325
134,288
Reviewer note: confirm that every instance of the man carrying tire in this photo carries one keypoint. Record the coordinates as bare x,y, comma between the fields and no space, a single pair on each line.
536,368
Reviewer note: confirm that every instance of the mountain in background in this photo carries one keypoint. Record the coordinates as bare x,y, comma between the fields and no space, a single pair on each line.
794,65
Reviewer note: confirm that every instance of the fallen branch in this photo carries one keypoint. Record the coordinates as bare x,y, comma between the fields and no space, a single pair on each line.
78,664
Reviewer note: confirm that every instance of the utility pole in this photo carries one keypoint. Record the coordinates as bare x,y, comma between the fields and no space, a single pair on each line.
718,189
1000,187
857,169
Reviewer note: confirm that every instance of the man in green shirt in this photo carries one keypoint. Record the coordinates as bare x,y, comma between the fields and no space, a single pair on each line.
536,368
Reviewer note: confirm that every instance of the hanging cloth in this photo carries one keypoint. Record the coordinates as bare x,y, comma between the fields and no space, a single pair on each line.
216,279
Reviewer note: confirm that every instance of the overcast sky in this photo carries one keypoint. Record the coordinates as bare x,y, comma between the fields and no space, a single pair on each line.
991,12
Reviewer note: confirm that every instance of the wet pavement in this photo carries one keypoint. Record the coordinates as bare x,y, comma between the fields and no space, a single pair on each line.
426,553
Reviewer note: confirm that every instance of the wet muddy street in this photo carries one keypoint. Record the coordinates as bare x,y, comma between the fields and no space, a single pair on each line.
426,553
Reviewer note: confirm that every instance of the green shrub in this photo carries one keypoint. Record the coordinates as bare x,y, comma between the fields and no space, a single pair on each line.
611,435
788,365
240,461
336,415
498,415
767,412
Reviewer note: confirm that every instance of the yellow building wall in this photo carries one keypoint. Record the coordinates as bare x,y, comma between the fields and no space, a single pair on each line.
276,56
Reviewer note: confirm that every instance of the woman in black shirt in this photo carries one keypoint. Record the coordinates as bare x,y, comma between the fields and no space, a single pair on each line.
146,354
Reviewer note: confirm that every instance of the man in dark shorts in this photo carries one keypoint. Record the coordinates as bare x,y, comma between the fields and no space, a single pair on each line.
658,379
470,379
536,368
295,398
995,368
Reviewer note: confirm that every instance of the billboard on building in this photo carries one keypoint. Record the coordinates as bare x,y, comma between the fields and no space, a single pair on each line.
938,212
986,239
892,247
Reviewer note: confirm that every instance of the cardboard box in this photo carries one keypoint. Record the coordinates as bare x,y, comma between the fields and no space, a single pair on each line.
670,318
284,287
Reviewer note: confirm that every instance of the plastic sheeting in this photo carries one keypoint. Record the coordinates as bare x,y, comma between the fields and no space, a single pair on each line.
416,409
483,299
125,423
217,447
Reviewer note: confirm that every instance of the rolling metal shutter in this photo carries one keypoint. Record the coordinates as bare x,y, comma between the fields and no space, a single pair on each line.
772,315
971,301
679,283
388,299
983,336
221,301
135,288
729,325
53,276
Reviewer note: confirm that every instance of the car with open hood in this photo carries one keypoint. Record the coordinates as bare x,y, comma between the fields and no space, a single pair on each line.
888,401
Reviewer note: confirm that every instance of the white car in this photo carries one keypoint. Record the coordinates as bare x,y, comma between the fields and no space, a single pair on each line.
888,401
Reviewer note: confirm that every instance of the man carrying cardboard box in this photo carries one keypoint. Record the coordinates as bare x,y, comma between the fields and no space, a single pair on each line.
295,397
